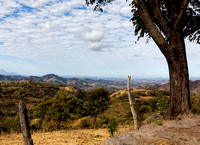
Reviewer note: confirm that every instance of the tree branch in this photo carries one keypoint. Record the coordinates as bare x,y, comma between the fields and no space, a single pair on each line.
187,33
162,23
152,29
183,8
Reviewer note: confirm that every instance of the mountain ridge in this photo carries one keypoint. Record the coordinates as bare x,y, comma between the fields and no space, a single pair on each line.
83,83
193,85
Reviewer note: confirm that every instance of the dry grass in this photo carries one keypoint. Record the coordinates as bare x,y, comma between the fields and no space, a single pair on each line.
69,88
121,92
64,137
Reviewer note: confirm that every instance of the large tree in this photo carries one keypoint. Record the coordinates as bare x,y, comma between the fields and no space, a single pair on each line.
168,23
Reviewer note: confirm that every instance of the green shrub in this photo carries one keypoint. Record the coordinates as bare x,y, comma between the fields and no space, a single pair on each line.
58,109
112,126
195,103
158,122
159,104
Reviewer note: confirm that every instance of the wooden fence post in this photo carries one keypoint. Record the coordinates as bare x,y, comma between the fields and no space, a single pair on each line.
131,104
24,124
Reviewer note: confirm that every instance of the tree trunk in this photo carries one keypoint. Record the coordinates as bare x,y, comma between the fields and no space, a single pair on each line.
24,124
179,79
170,40
58,125
94,121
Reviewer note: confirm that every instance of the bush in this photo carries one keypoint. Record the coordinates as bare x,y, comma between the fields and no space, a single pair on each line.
195,102
112,126
159,104
158,122
58,109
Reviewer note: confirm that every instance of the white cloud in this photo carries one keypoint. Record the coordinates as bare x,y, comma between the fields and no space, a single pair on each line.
62,33
97,46
94,39
8,7
92,35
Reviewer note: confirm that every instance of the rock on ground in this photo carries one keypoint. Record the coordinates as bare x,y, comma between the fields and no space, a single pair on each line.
183,131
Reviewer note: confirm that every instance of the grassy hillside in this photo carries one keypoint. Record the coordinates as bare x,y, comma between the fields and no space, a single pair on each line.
194,87
30,92
38,95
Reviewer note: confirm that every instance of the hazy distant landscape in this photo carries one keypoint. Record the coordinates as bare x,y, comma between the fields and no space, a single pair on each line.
83,83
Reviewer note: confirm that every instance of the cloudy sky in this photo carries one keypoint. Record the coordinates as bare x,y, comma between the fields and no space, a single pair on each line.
67,38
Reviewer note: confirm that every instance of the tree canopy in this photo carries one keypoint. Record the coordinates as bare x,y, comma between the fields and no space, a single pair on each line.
58,108
165,14
97,102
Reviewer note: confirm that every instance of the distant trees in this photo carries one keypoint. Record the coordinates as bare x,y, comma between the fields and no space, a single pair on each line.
50,106
63,105
97,102
59,108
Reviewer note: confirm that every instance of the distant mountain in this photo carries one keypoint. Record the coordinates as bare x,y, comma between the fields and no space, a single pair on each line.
83,83
3,72
111,85
194,87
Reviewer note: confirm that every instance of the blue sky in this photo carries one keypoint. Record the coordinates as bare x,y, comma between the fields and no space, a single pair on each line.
67,38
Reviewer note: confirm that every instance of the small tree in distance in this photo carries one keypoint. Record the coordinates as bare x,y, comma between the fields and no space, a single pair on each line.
97,102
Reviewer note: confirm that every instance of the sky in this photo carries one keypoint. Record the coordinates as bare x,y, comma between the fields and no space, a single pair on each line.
67,38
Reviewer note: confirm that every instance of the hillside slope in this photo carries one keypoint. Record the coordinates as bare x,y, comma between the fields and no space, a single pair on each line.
194,87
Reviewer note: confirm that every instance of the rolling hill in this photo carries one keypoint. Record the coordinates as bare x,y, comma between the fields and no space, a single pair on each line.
83,83
194,87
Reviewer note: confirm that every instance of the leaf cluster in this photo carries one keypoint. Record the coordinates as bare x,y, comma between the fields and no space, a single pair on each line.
159,103
97,101
163,12
58,109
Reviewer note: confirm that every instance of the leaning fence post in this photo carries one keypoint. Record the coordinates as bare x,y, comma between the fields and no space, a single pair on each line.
131,104
24,124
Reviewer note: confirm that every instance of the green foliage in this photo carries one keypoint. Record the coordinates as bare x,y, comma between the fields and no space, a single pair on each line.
159,103
58,109
112,126
10,124
22,90
189,27
195,102
158,122
97,102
